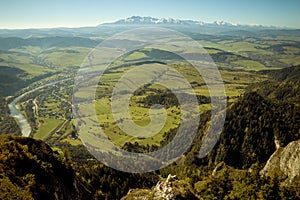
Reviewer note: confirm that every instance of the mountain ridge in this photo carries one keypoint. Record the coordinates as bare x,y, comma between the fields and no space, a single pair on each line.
107,29
140,20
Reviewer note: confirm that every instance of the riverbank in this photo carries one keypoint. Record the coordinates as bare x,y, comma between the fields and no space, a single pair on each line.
18,115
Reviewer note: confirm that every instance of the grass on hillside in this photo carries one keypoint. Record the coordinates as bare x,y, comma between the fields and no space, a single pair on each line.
48,125
249,65
235,83
291,61
65,57
135,56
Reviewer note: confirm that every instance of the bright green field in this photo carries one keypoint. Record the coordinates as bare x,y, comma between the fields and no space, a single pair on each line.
234,46
36,61
291,61
249,65
140,117
136,55
24,63
47,127
66,57
235,83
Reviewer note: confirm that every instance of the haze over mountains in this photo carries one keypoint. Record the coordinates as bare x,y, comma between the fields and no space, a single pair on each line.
138,20
108,29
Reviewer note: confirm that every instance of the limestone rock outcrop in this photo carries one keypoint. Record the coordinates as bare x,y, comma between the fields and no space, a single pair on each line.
285,161
169,189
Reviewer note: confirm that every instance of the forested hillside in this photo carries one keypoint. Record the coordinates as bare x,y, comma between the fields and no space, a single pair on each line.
30,169
266,115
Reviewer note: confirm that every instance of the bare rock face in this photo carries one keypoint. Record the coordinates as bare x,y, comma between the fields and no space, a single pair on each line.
169,189
285,161
164,190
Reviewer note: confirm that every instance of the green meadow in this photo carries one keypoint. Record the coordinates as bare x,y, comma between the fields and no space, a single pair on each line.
239,62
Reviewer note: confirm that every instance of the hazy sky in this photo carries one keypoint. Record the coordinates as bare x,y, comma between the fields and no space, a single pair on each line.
74,13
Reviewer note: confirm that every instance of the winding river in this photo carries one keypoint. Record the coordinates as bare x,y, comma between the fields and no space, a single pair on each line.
18,115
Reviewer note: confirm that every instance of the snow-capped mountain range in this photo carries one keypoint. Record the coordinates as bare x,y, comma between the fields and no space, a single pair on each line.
138,20
152,20
106,29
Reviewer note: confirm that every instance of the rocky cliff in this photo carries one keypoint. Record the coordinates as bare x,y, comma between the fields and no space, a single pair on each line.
168,189
285,161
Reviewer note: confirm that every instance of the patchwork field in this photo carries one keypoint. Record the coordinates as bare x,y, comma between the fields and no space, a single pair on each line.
240,61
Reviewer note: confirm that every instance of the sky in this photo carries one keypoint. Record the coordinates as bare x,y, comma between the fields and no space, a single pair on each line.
18,14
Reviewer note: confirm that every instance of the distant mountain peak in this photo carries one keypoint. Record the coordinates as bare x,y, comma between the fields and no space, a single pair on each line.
140,20
223,23
152,20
